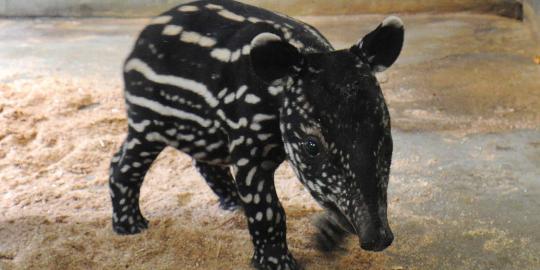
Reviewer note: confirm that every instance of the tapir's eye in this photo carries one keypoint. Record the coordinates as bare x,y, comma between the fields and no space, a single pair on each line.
311,145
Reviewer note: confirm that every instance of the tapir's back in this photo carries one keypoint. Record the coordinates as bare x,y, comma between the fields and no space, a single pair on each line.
200,39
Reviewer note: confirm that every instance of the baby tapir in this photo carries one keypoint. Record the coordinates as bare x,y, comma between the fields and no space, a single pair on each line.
238,87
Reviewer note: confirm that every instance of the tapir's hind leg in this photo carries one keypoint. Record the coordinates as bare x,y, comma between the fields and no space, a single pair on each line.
128,168
222,183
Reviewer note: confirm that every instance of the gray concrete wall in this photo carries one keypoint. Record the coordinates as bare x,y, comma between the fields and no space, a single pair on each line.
144,8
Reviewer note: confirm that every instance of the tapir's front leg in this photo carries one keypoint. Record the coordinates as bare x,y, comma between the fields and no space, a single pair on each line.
266,218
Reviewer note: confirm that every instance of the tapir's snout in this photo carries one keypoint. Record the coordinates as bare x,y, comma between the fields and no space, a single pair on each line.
374,239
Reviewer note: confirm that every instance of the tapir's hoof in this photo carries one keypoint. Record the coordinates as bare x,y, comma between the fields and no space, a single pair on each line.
286,263
131,226
229,205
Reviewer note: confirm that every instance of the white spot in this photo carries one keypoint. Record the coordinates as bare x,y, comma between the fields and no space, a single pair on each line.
252,99
221,54
273,260
123,189
236,55
275,90
131,144
199,155
269,214
222,93
246,49
247,198
171,132
172,30
161,20
257,199
200,143
242,162
264,137
229,98
125,168
255,127
250,175
186,84
260,186
231,16
188,9
241,91
259,216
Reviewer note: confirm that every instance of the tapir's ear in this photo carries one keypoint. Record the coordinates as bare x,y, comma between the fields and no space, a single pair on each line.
272,58
383,45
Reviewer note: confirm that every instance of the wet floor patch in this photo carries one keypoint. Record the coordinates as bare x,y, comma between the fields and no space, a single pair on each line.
466,202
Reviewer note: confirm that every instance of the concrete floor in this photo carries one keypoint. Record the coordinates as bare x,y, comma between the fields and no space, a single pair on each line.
465,105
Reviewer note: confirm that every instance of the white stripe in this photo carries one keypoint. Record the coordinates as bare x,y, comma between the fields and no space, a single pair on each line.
139,127
161,19
186,84
254,20
172,30
226,55
196,38
231,16
236,125
156,137
214,146
222,93
263,117
188,9
185,137
214,7
236,142
166,111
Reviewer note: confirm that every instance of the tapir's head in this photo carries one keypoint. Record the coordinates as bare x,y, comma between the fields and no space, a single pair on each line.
335,124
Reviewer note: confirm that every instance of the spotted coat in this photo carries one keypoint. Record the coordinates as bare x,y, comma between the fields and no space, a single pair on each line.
241,89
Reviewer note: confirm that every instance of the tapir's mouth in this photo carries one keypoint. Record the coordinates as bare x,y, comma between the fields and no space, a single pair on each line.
370,239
